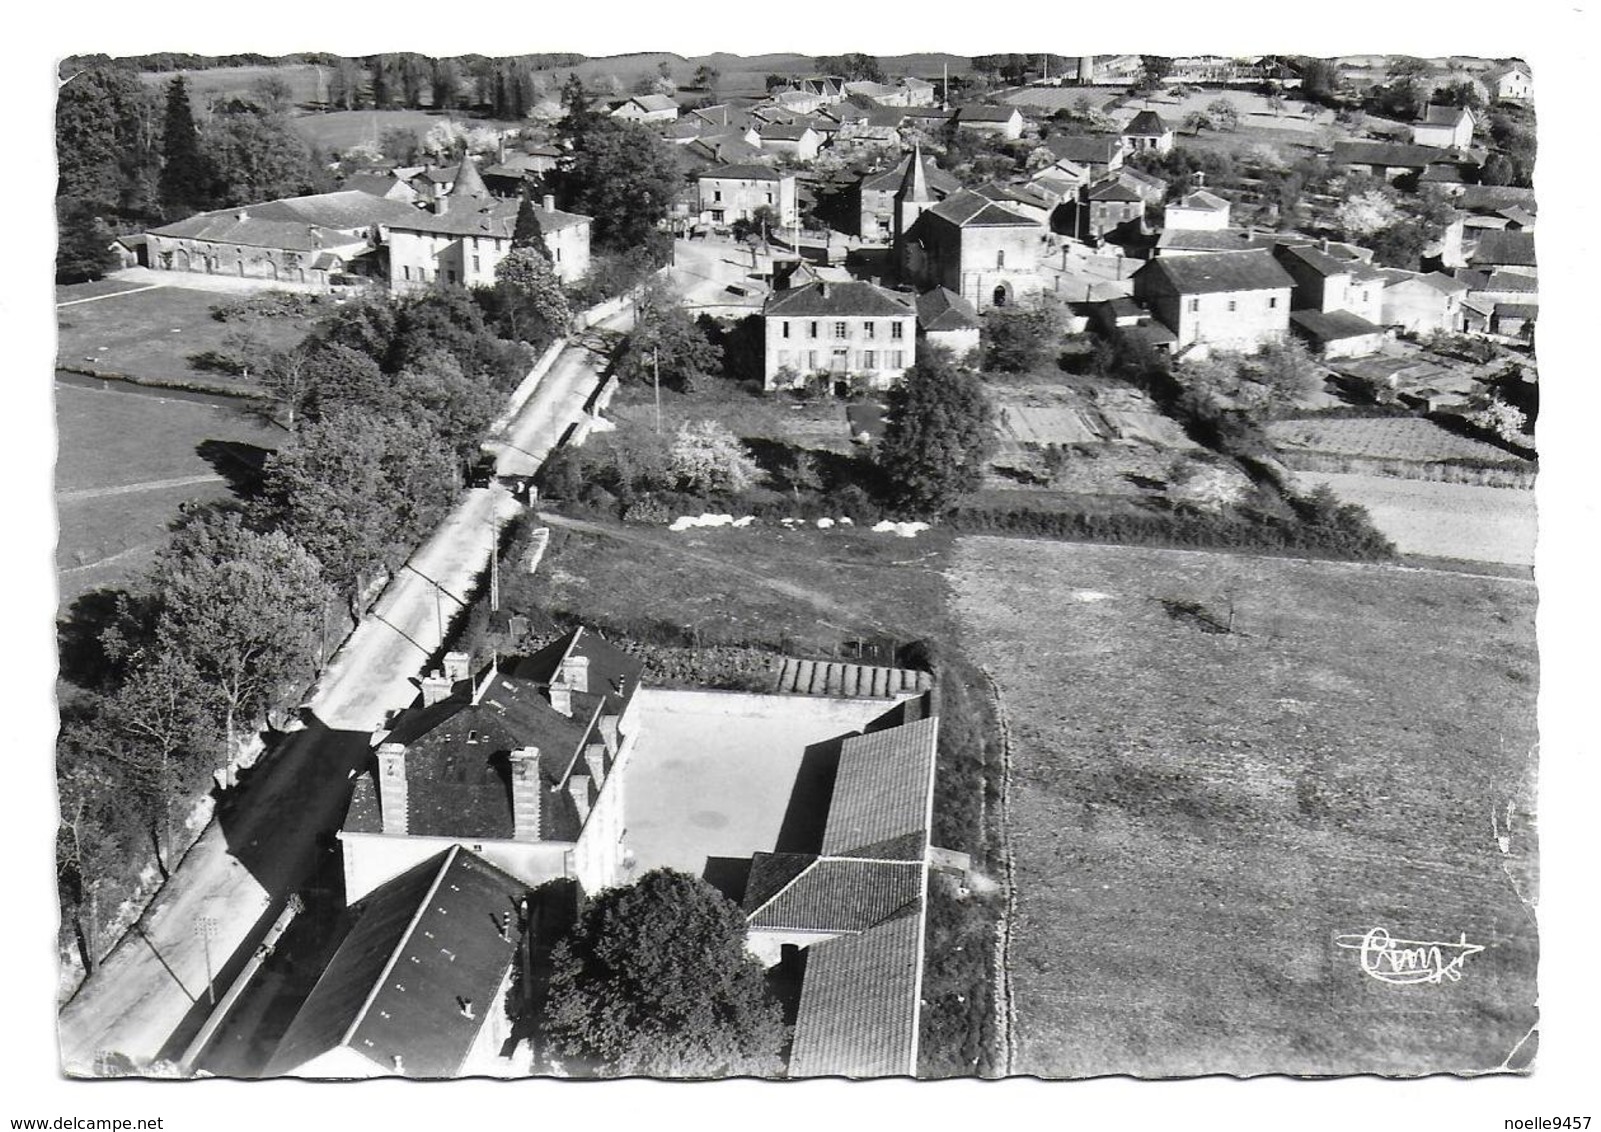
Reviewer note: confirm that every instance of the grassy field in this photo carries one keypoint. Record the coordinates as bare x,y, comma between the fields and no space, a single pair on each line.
156,332
222,83
339,130
1443,520
1197,815
76,292
749,413
113,440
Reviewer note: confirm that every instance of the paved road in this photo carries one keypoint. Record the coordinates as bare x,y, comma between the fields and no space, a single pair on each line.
150,993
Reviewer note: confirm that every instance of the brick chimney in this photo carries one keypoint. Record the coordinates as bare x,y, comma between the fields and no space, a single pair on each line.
392,787
458,666
436,686
578,788
595,760
608,733
561,696
525,791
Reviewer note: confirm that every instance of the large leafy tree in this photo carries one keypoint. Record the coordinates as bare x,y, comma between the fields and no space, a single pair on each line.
654,980
256,157
939,433
358,491
625,177
528,232
667,341
83,245
458,408
105,130
242,607
185,176
527,302
1020,337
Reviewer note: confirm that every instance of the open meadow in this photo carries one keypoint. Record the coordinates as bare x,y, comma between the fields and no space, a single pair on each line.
1226,771
159,332
127,461
1460,521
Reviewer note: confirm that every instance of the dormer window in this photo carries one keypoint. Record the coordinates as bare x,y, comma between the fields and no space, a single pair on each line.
472,737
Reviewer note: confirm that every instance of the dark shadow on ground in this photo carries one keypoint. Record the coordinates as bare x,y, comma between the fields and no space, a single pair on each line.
280,823
79,633
239,463
807,813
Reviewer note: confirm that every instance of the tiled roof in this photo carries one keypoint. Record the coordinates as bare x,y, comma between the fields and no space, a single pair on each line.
472,216
1399,155
1331,326
1146,124
653,102
1219,272
1319,261
862,300
780,132
979,113
942,309
722,147
883,788
1088,149
1112,189
835,894
1509,281
1517,310
1210,240
1202,199
1444,115
421,946
1497,248
245,230
939,181
858,1014
967,209
1025,195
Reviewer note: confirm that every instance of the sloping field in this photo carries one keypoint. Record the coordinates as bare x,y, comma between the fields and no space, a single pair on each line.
1402,438
1443,520
1202,819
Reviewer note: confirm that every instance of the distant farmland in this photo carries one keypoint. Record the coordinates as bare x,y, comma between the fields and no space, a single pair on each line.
1198,816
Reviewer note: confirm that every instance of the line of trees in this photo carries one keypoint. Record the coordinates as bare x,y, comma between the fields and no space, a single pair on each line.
387,399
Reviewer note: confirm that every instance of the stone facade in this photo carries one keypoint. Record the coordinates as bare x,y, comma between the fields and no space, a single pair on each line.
845,330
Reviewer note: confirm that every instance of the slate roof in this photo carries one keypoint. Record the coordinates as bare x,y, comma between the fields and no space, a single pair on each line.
1025,195
1212,274
1331,326
653,102
1209,240
883,790
301,223
250,232
723,147
1319,261
1201,199
967,209
1514,249
1089,149
373,184
421,944
1434,115
1395,277
825,300
939,181
858,1012
1146,124
943,309
784,132
1517,310
1492,198
742,172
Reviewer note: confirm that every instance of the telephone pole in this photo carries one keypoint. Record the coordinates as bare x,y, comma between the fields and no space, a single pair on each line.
656,379
494,568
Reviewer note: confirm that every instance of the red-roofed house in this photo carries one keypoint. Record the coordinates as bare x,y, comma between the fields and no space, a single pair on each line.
841,329
1233,300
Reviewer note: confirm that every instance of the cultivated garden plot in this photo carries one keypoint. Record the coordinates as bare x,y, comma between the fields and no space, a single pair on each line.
1384,438
1229,772
1442,520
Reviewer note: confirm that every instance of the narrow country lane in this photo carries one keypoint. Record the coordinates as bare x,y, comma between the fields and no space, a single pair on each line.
149,994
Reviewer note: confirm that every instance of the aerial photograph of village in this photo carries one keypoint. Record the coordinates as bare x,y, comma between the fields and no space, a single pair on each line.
789,566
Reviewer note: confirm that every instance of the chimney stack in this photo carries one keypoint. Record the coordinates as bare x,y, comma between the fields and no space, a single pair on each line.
392,788
458,666
578,788
525,792
436,686
595,760
550,202
575,672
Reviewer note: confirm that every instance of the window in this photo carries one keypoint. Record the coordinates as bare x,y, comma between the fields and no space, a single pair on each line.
476,267
406,273
869,359
1232,304
769,198
897,330
1000,260
868,328
557,254
813,331
1194,305
717,216
785,325
811,361
1272,301
841,330
897,359
717,194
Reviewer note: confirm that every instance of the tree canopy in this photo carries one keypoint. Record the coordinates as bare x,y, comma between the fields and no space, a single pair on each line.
939,433
654,980
185,177
625,177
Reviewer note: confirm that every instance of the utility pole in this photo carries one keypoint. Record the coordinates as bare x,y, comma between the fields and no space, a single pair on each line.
439,617
206,928
494,568
656,379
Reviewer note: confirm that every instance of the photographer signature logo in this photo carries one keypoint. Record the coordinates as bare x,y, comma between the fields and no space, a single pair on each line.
1408,962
